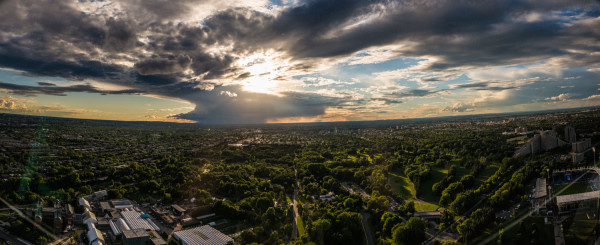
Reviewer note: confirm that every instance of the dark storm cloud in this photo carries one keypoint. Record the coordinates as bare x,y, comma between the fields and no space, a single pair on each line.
120,35
16,57
46,84
482,86
163,66
230,104
412,93
474,33
58,91
162,9
387,101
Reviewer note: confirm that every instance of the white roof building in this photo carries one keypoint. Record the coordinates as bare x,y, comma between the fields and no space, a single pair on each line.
135,221
89,218
94,235
560,200
98,195
85,203
203,235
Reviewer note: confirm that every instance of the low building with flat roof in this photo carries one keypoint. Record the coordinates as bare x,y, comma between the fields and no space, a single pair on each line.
202,235
142,237
135,237
122,204
580,200
428,215
105,206
178,209
540,193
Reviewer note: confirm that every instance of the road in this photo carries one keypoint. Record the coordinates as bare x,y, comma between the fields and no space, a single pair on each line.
295,205
63,240
559,238
365,226
7,237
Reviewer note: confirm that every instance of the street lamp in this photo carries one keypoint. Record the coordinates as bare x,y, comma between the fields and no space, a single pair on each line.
594,155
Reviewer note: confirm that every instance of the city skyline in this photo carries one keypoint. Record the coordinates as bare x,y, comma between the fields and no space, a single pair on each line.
296,61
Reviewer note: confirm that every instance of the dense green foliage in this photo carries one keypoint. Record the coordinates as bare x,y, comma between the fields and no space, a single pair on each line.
248,174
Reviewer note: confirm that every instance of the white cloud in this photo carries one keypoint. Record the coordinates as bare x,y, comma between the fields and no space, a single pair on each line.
228,93
560,97
593,97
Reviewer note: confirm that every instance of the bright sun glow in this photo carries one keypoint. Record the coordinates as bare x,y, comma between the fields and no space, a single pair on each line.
263,69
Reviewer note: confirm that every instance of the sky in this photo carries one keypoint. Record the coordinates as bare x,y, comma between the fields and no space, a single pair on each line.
277,61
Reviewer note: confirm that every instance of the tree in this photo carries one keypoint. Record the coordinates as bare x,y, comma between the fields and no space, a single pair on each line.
413,232
318,230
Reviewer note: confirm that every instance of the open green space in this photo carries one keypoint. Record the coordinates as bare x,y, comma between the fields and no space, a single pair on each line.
485,174
518,138
421,206
580,228
406,189
544,233
300,224
511,228
425,190
574,188
403,186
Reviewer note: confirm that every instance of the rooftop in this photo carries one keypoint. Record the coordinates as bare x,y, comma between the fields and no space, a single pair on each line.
178,208
135,221
577,197
203,235
540,188
135,233
428,213
105,205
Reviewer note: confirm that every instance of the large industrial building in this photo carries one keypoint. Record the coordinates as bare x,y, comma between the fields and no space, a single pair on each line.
136,220
202,235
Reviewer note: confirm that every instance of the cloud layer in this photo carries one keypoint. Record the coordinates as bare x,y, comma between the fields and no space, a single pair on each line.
498,53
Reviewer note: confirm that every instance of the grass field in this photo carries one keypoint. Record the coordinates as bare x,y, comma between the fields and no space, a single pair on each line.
582,229
518,138
485,174
300,225
406,189
546,232
427,194
510,228
425,206
403,186
579,187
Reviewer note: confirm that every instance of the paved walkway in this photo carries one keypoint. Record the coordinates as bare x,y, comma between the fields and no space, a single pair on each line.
295,206
366,229
559,237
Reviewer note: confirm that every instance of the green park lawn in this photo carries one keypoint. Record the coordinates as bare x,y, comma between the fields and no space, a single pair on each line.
568,189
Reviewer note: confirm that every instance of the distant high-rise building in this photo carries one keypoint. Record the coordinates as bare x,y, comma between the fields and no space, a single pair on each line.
542,142
570,135
582,145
